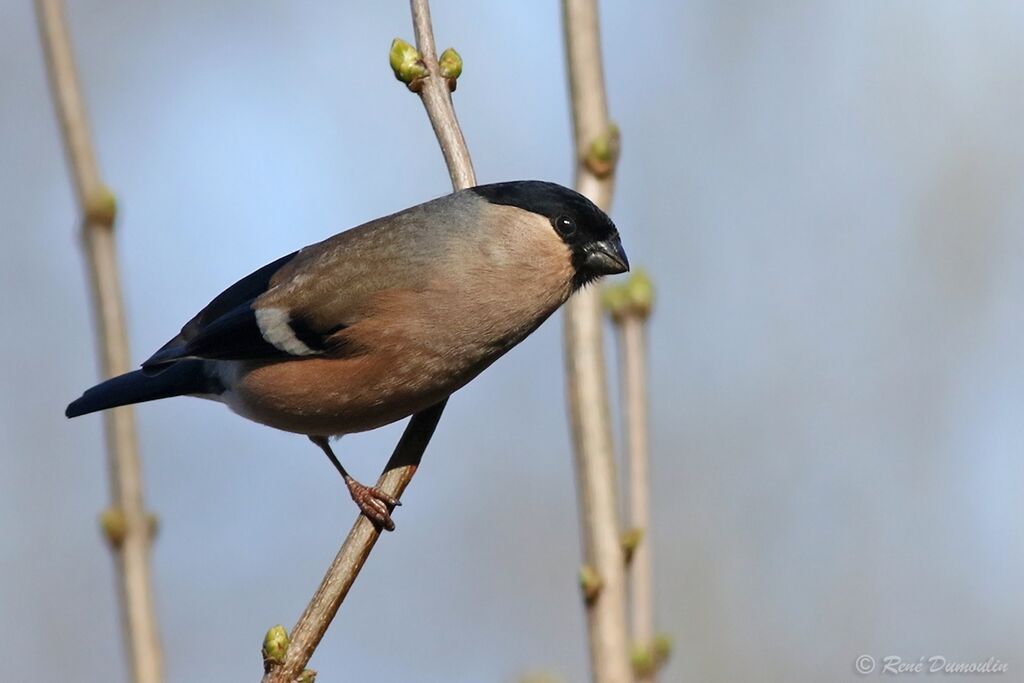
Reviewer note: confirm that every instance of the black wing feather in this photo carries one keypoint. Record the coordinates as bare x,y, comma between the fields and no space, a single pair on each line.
235,335
226,329
242,292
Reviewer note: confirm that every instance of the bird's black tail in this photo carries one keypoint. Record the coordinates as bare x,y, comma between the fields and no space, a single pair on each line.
182,378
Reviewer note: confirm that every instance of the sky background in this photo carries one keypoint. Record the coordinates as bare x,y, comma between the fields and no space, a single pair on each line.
828,195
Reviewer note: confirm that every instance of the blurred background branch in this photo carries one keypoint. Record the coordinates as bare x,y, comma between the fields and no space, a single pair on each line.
126,524
603,575
422,74
629,307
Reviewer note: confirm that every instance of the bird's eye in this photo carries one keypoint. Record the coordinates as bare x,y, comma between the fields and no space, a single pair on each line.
565,226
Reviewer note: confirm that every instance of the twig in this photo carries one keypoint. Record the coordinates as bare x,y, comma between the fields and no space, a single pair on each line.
126,523
635,408
631,324
437,100
310,629
629,307
587,384
342,573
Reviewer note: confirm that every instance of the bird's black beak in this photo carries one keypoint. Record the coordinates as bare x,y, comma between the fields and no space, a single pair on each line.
606,257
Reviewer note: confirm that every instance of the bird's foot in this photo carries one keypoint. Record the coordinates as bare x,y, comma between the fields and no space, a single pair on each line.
373,503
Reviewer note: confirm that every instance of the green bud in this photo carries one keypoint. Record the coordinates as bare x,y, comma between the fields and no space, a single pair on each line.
450,64
615,300
661,648
307,676
101,207
591,583
153,522
603,153
114,526
640,291
630,541
642,660
406,62
275,645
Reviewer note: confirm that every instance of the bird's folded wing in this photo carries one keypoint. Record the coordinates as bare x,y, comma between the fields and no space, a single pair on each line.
296,306
230,327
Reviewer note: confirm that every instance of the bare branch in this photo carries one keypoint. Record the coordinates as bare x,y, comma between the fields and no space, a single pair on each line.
342,573
596,148
132,539
437,101
634,403
312,625
629,307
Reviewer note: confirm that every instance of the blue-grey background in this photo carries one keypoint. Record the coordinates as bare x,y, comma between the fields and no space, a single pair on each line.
828,194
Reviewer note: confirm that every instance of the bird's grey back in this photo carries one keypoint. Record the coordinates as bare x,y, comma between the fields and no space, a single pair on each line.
415,237
404,250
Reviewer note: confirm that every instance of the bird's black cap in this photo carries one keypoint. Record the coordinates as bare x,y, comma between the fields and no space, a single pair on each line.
593,239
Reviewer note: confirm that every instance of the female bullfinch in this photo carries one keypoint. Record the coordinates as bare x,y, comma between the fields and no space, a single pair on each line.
384,320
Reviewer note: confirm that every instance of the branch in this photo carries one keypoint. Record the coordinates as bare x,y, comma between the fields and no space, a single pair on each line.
597,150
437,100
629,307
635,407
342,573
126,523
434,91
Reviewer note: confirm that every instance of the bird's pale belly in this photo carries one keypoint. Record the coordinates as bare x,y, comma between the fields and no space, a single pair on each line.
328,397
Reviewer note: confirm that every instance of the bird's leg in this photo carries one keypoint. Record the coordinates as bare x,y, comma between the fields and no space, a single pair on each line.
372,502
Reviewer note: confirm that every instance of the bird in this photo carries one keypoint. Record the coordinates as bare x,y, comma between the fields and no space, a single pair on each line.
383,320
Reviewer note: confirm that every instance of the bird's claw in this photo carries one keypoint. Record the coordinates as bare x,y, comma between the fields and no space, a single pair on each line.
374,503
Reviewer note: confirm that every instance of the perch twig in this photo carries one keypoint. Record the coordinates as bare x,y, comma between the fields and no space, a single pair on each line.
434,91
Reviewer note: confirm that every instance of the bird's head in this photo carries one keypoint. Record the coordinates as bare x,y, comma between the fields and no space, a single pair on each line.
587,231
